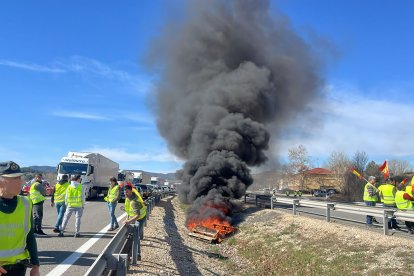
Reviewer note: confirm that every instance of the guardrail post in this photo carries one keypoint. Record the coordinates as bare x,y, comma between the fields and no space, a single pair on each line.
136,244
329,206
122,263
387,216
245,198
256,200
295,204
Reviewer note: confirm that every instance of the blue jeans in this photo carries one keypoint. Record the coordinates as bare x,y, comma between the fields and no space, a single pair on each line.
369,218
141,227
393,222
112,218
60,208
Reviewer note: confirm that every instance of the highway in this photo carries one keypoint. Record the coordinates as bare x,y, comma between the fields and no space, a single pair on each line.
73,256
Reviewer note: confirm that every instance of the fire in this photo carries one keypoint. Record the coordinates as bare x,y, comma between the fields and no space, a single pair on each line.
208,223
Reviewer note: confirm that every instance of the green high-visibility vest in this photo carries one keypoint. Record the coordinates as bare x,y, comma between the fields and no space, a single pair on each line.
14,229
367,197
130,211
35,195
387,195
74,196
403,204
112,193
60,191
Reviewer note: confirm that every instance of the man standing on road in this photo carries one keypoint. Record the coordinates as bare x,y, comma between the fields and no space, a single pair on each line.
75,202
18,248
370,196
58,198
37,196
112,199
136,211
387,193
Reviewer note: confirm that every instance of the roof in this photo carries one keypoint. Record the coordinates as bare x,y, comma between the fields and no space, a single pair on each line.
319,171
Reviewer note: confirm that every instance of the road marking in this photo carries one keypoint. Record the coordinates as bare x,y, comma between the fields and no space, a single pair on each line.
66,264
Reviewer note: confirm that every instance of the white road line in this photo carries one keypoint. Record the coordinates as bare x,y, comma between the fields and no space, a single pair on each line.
65,265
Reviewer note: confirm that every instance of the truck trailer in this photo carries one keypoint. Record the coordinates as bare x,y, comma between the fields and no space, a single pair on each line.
94,168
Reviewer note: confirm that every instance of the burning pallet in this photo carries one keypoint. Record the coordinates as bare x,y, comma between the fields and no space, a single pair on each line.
215,235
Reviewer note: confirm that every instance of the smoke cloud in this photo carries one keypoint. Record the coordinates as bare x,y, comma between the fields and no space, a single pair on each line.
228,70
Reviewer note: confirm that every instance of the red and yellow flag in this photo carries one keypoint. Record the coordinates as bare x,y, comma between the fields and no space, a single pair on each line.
354,171
404,181
384,169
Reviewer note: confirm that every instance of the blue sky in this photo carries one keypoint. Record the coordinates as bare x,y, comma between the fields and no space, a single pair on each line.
72,79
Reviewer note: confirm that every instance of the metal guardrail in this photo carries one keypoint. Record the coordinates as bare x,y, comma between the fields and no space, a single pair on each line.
387,214
125,244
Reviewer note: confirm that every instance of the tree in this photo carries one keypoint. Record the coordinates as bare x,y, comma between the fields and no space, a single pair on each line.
399,167
299,162
372,169
353,185
339,164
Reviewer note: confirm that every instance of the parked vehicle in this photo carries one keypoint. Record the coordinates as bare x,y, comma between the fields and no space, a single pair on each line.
26,188
94,168
320,193
146,190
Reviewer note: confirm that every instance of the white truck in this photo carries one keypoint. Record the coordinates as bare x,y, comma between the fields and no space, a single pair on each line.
124,175
137,178
154,180
94,168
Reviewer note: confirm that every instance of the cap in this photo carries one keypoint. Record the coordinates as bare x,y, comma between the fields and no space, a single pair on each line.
10,169
371,178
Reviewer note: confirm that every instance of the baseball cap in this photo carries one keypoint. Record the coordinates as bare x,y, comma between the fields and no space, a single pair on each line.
10,169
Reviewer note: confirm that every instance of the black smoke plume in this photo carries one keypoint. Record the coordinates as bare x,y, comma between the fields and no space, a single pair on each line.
228,70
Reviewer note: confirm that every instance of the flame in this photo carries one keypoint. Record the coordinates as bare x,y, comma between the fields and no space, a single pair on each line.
208,223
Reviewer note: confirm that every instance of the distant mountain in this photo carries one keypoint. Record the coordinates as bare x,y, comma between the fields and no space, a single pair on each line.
39,169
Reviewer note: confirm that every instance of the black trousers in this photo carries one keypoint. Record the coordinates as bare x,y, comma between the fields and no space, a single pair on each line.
38,216
15,270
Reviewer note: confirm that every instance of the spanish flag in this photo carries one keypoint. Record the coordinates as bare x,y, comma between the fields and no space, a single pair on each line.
384,169
404,181
354,171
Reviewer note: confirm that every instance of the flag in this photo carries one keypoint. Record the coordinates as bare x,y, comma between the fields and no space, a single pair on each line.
354,171
384,169
404,181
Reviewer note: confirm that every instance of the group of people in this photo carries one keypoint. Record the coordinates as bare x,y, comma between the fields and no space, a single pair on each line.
392,194
21,217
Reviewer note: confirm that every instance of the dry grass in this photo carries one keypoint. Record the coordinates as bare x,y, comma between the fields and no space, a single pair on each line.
304,246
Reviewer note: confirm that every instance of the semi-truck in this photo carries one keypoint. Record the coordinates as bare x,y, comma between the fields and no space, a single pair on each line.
125,175
137,177
154,180
94,168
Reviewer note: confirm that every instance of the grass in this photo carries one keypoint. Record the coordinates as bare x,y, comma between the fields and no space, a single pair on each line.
287,252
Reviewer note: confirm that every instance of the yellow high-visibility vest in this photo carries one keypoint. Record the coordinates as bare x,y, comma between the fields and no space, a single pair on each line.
130,211
14,229
367,197
112,193
74,196
35,195
403,204
409,190
387,194
60,191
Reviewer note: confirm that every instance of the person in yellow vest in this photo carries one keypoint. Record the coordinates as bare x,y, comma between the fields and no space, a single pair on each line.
58,199
405,202
18,248
387,193
370,196
135,210
37,196
75,202
409,189
112,199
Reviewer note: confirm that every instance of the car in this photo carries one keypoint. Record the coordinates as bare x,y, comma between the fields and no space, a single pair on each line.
26,188
146,190
320,193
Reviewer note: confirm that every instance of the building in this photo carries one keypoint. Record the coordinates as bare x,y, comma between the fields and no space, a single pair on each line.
314,179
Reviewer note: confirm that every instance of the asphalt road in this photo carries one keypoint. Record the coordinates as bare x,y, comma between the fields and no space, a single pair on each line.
73,256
